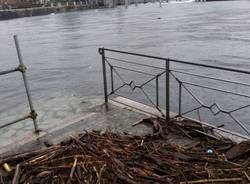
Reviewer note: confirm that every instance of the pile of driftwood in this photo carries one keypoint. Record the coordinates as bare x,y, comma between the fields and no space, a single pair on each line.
96,157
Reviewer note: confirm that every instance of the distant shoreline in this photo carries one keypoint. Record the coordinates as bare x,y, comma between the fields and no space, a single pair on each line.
38,11
30,12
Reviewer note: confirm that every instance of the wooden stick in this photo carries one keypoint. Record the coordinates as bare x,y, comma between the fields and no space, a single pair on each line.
72,171
247,176
211,180
138,122
17,175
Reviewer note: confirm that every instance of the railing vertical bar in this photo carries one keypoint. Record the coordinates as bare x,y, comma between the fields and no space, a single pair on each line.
102,52
180,97
26,85
167,90
157,90
112,79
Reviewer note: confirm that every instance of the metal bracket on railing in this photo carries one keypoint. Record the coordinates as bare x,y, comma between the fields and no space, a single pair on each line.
33,115
21,68
100,50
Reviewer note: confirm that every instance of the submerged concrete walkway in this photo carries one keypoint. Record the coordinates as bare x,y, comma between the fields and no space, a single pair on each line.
118,115
96,116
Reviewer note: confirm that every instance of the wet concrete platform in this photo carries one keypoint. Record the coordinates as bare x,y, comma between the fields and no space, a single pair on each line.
118,115
96,116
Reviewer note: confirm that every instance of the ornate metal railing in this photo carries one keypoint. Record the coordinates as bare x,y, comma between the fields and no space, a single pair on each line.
22,68
170,71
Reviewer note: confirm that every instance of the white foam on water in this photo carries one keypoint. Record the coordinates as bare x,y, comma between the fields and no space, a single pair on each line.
182,1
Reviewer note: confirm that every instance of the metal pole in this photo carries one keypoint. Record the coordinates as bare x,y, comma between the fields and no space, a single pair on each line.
112,79
8,71
180,83
102,52
22,68
160,3
15,121
167,90
157,91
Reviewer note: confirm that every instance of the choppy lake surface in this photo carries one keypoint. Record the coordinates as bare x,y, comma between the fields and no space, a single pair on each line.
60,50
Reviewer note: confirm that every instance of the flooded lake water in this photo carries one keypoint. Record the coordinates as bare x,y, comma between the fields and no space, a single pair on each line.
61,51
